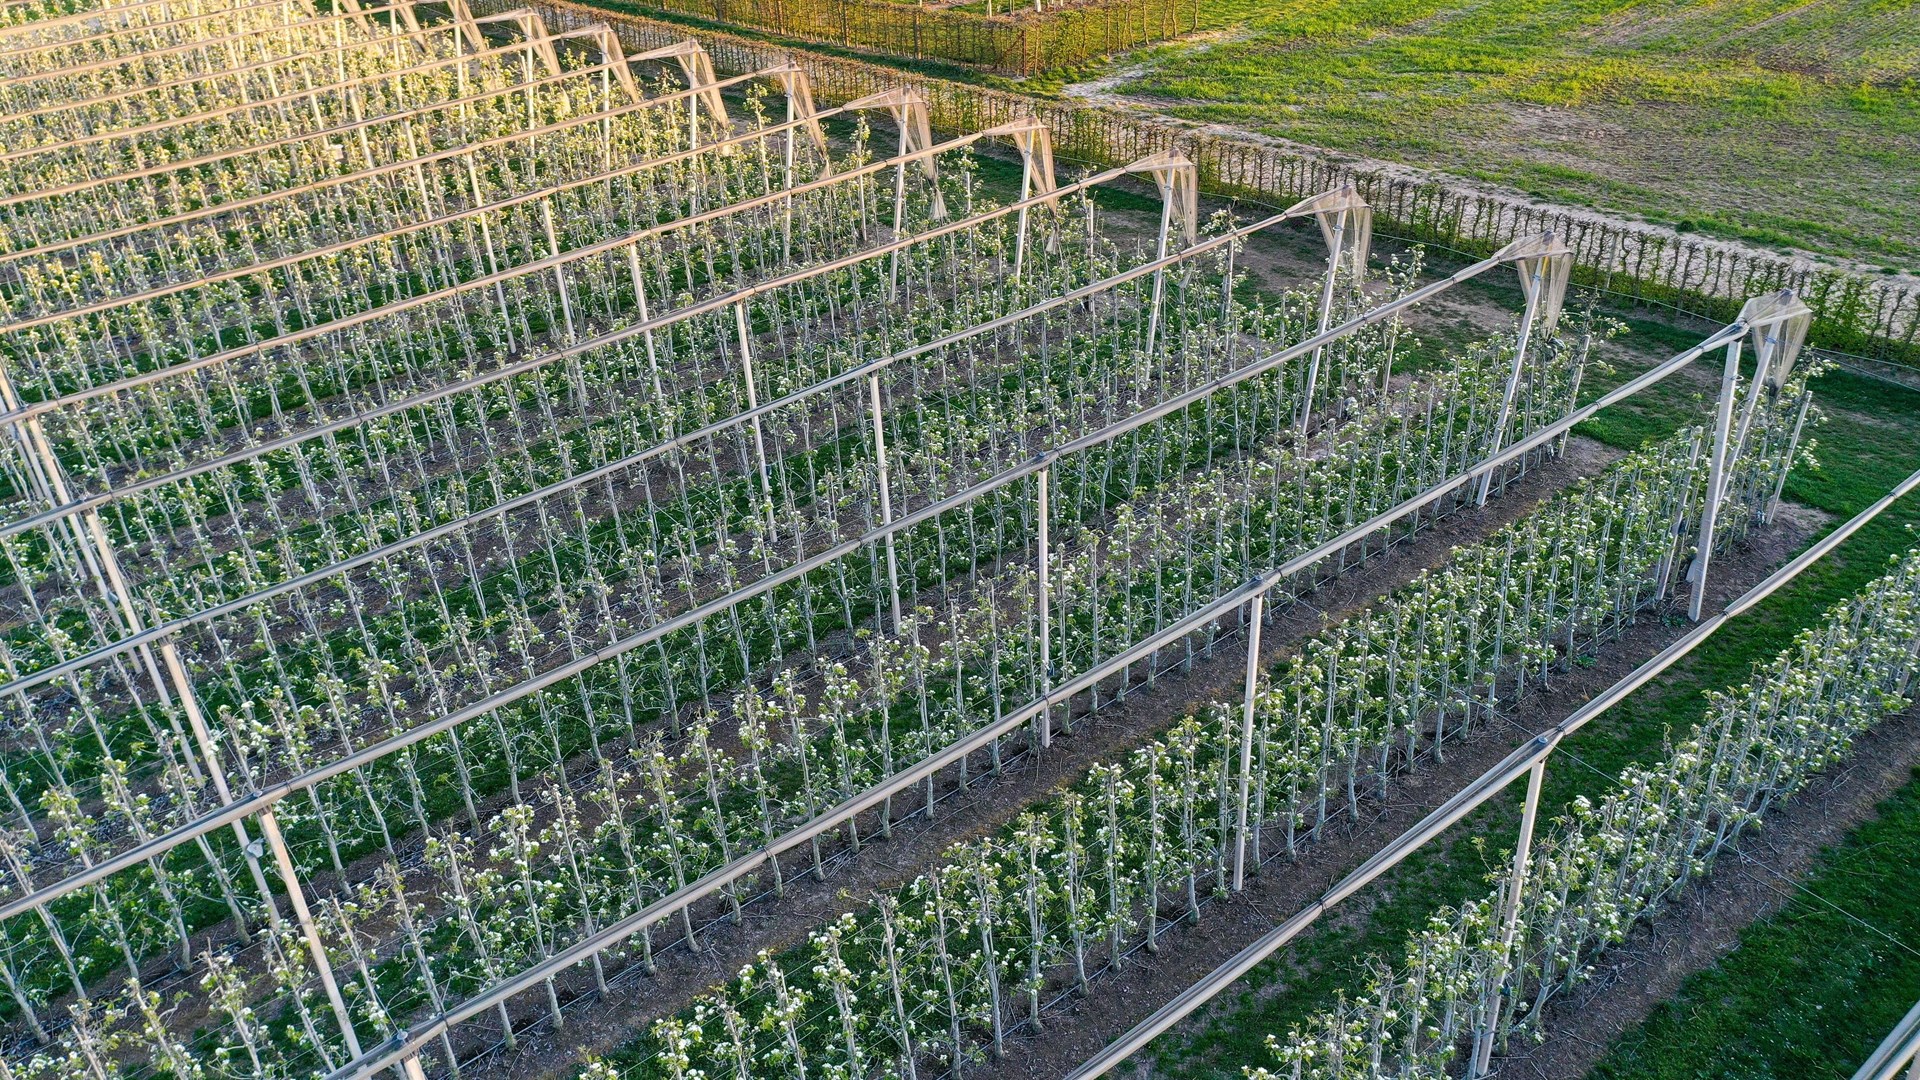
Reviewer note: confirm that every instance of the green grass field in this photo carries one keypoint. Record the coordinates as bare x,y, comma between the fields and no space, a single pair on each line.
1782,123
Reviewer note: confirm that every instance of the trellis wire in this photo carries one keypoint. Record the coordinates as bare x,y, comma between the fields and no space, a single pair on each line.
333,915
1606,509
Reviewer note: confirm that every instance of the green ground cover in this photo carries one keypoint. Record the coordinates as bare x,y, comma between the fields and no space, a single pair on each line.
1857,463
1790,125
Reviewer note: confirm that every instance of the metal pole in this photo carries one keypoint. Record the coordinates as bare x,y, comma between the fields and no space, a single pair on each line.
1256,611
786,178
197,722
693,126
1513,378
104,568
1716,480
886,497
1046,608
1510,921
1763,357
899,211
270,828
1793,447
646,320
1020,232
1326,315
559,270
753,402
1160,276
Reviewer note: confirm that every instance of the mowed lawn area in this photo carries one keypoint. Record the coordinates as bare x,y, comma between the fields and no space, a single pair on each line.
1782,123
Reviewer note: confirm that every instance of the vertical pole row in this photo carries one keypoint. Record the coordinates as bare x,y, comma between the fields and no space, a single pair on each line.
89,538
97,553
1326,315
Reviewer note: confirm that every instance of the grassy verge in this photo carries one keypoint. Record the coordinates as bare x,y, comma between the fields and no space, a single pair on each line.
1809,992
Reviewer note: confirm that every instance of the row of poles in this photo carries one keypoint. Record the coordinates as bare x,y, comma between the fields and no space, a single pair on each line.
406,1046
